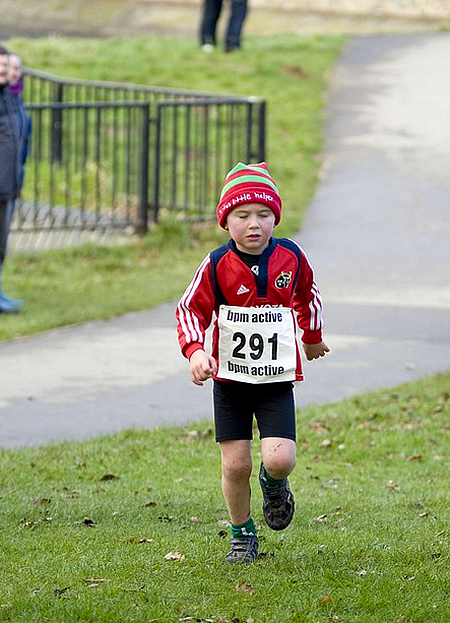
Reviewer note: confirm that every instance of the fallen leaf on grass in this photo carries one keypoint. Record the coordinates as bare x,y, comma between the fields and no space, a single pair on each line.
72,494
194,519
60,591
94,582
133,539
318,427
441,533
193,435
326,600
243,588
41,501
175,556
107,477
415,458
150,504
322,518
297,72
87,521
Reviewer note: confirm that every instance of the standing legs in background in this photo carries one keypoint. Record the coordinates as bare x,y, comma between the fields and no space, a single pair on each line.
210,18
235,24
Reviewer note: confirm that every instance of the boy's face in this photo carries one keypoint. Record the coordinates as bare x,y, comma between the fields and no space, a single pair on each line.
4,61
251,226
15,69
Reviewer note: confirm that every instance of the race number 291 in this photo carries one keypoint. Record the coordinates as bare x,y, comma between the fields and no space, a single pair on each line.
257,345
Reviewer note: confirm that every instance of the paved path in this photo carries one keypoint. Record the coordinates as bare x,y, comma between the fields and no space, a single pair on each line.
377,233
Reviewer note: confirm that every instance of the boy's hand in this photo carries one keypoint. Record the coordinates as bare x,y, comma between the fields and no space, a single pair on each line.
314,351
202,367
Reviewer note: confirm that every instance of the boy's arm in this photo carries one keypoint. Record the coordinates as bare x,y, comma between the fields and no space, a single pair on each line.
194,311
307,302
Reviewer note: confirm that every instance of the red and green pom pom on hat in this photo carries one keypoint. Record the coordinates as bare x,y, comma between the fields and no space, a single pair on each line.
248,183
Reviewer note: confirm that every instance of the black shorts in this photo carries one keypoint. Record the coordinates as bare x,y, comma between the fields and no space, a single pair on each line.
235,404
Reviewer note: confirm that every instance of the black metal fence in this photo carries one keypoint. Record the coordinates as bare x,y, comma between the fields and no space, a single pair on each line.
94,174
196,142
114,157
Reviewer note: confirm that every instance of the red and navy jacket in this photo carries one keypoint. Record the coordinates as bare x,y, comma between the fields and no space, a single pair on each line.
285,279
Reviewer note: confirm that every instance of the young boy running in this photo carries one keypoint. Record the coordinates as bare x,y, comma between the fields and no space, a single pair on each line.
259,289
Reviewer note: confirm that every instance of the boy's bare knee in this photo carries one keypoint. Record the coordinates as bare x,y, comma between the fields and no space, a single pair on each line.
279,467
235,471
236,460
279,457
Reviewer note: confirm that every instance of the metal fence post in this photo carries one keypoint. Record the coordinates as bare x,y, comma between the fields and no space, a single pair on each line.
157,156
142,227
262,131
248,147
57,115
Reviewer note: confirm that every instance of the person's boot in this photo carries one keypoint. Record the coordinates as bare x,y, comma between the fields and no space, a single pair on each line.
8,305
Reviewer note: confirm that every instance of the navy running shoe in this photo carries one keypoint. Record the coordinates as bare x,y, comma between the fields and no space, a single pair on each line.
278,504
243,549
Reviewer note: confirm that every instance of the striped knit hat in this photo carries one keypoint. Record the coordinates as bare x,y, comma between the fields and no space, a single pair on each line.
248,183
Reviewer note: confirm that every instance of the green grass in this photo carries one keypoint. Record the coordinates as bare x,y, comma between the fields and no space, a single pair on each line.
291,72
368,544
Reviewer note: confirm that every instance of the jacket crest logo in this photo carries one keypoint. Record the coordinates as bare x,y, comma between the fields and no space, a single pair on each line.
283,280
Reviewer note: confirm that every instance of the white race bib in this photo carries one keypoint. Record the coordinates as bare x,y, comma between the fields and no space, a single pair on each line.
257,344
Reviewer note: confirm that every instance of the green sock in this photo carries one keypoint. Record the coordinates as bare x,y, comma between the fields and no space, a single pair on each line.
244,529
268,478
